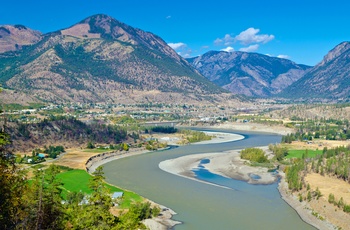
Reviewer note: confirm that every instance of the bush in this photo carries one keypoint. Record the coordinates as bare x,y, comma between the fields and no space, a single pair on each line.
331,198
254,155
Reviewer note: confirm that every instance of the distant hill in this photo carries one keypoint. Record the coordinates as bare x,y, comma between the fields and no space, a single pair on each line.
330,79
65,131
251,74
102,60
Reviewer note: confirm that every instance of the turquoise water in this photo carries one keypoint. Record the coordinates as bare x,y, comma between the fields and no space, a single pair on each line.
205,206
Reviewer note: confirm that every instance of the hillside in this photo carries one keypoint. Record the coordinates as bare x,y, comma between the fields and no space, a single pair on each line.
68,132
103,60
251,74
12,38
329,79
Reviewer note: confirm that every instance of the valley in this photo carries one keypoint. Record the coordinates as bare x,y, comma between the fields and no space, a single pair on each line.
105,103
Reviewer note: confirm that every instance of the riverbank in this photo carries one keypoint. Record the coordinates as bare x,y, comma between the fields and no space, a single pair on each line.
255,127
302,208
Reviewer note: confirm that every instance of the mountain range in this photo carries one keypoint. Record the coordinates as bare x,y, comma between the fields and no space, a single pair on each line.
101,59
251,74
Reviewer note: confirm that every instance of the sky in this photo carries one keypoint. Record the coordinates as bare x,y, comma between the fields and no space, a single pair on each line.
302,31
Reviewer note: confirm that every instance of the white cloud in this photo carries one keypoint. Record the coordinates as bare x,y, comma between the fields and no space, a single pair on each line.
181,49
250,48
251,35
228,49
177,46
283,56
218,41
227,40
186,53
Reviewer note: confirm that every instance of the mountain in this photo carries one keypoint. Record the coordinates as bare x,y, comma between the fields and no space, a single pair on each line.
329,79
251,74
103,60
14,37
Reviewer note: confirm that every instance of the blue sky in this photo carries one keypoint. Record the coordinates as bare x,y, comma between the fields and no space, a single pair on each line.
303,31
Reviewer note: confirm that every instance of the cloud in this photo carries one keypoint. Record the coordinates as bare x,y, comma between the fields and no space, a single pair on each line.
227,40
205,47
186,53
228,49
283,56
250,48
251,35
181,49
168,17
177,46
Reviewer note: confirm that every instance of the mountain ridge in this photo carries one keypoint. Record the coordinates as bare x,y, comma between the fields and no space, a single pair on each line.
251,74
329,79
100,59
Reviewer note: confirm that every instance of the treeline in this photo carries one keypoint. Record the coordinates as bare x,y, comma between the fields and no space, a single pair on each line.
53,151
329,129
332,162
66,129
162,129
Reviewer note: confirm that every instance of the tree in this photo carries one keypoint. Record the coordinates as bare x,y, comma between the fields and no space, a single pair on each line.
90,145
12,186
46,210
96,214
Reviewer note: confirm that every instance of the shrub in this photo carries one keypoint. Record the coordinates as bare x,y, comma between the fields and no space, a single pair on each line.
254,155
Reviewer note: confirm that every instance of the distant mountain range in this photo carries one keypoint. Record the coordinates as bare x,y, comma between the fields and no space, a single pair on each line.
98,60
251,74
103,60
259,75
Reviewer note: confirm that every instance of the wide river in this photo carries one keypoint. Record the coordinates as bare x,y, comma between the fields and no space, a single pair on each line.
201,205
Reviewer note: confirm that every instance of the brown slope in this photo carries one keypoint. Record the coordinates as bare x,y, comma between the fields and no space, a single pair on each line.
12,38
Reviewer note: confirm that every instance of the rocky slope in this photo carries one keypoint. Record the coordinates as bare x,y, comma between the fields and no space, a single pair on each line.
329,79
250,74
103,60
12,38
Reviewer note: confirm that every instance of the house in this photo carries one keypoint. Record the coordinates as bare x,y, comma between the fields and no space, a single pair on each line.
116,196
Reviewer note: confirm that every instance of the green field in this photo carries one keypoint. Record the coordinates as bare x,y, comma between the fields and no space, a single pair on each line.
299,153
78,180
97,150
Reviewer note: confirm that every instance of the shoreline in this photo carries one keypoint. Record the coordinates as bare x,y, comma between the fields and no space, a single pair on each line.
302,208
226,164
251,126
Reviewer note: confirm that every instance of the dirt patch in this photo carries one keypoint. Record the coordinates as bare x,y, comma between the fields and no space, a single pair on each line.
318,144
328,185
75,158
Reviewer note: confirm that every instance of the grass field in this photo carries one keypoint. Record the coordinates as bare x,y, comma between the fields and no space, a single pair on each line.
299,153
78,180
96,150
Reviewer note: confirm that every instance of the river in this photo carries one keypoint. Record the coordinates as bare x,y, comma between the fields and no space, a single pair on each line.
201,205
